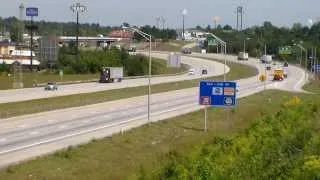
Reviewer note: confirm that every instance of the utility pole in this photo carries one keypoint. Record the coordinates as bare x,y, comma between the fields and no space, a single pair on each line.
184,13
239,18
21,30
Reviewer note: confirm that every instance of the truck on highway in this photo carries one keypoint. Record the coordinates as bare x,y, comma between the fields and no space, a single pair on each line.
111,74
243,56
278,74
266,59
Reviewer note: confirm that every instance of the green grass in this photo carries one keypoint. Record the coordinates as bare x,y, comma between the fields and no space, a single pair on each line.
313,86
122,156
41,105
163,69
172,46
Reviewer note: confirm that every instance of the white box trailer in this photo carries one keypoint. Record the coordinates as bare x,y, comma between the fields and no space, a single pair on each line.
266,59
243,56
111,74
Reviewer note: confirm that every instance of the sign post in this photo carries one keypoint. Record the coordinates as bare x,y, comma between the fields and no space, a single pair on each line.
31,12
61,74
217,94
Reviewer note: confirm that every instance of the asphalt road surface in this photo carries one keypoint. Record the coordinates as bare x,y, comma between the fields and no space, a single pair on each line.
29,136
214,69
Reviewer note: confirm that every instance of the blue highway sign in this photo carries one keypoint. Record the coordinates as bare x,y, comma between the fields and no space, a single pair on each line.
32,11
316,67
219,94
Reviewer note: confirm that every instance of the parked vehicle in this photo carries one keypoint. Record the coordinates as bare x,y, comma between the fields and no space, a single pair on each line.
51,86
243,56
266,59
111,74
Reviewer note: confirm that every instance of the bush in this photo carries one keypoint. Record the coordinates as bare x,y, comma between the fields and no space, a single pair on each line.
284,145
4,67
92,61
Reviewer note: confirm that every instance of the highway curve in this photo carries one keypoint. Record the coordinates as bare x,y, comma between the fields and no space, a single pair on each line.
214,69
29,136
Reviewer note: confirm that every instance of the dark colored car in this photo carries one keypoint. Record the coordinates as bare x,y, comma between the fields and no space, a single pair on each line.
186,51
204,71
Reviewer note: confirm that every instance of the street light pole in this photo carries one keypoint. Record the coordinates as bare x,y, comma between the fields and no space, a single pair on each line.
77,8
149,38
223,44
149,79
306,51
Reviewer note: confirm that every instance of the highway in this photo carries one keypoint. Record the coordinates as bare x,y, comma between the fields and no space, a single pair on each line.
214,69
29,136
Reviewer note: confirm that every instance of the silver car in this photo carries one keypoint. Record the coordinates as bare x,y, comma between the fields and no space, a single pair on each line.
51,87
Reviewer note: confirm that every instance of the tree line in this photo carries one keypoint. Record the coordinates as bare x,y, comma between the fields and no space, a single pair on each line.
93,61
273,37
12,25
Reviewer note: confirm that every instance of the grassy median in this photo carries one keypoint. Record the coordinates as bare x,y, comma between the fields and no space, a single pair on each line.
41,105
313,86
29,79
141,150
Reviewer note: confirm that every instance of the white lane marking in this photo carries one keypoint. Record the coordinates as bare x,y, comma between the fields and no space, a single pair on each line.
51,121
22,126
85,121
34,133
112,109
3,140
62,127
143,117
106,116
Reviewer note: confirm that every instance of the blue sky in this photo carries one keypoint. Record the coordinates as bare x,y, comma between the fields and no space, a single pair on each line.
141,12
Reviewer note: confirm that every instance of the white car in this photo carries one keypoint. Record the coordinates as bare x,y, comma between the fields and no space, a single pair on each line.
51,87
191,72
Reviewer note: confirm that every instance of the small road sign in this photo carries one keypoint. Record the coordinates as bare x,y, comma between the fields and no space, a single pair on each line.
221,94
31,11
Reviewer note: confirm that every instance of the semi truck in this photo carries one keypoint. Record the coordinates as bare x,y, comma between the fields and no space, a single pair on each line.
243,56
266,59
111,74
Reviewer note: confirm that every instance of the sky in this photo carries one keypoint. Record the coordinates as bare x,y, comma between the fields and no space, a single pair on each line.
200,12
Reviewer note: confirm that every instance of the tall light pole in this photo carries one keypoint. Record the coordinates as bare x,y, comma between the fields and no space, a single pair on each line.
78,8
306,51
149,38
223,44
184,13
